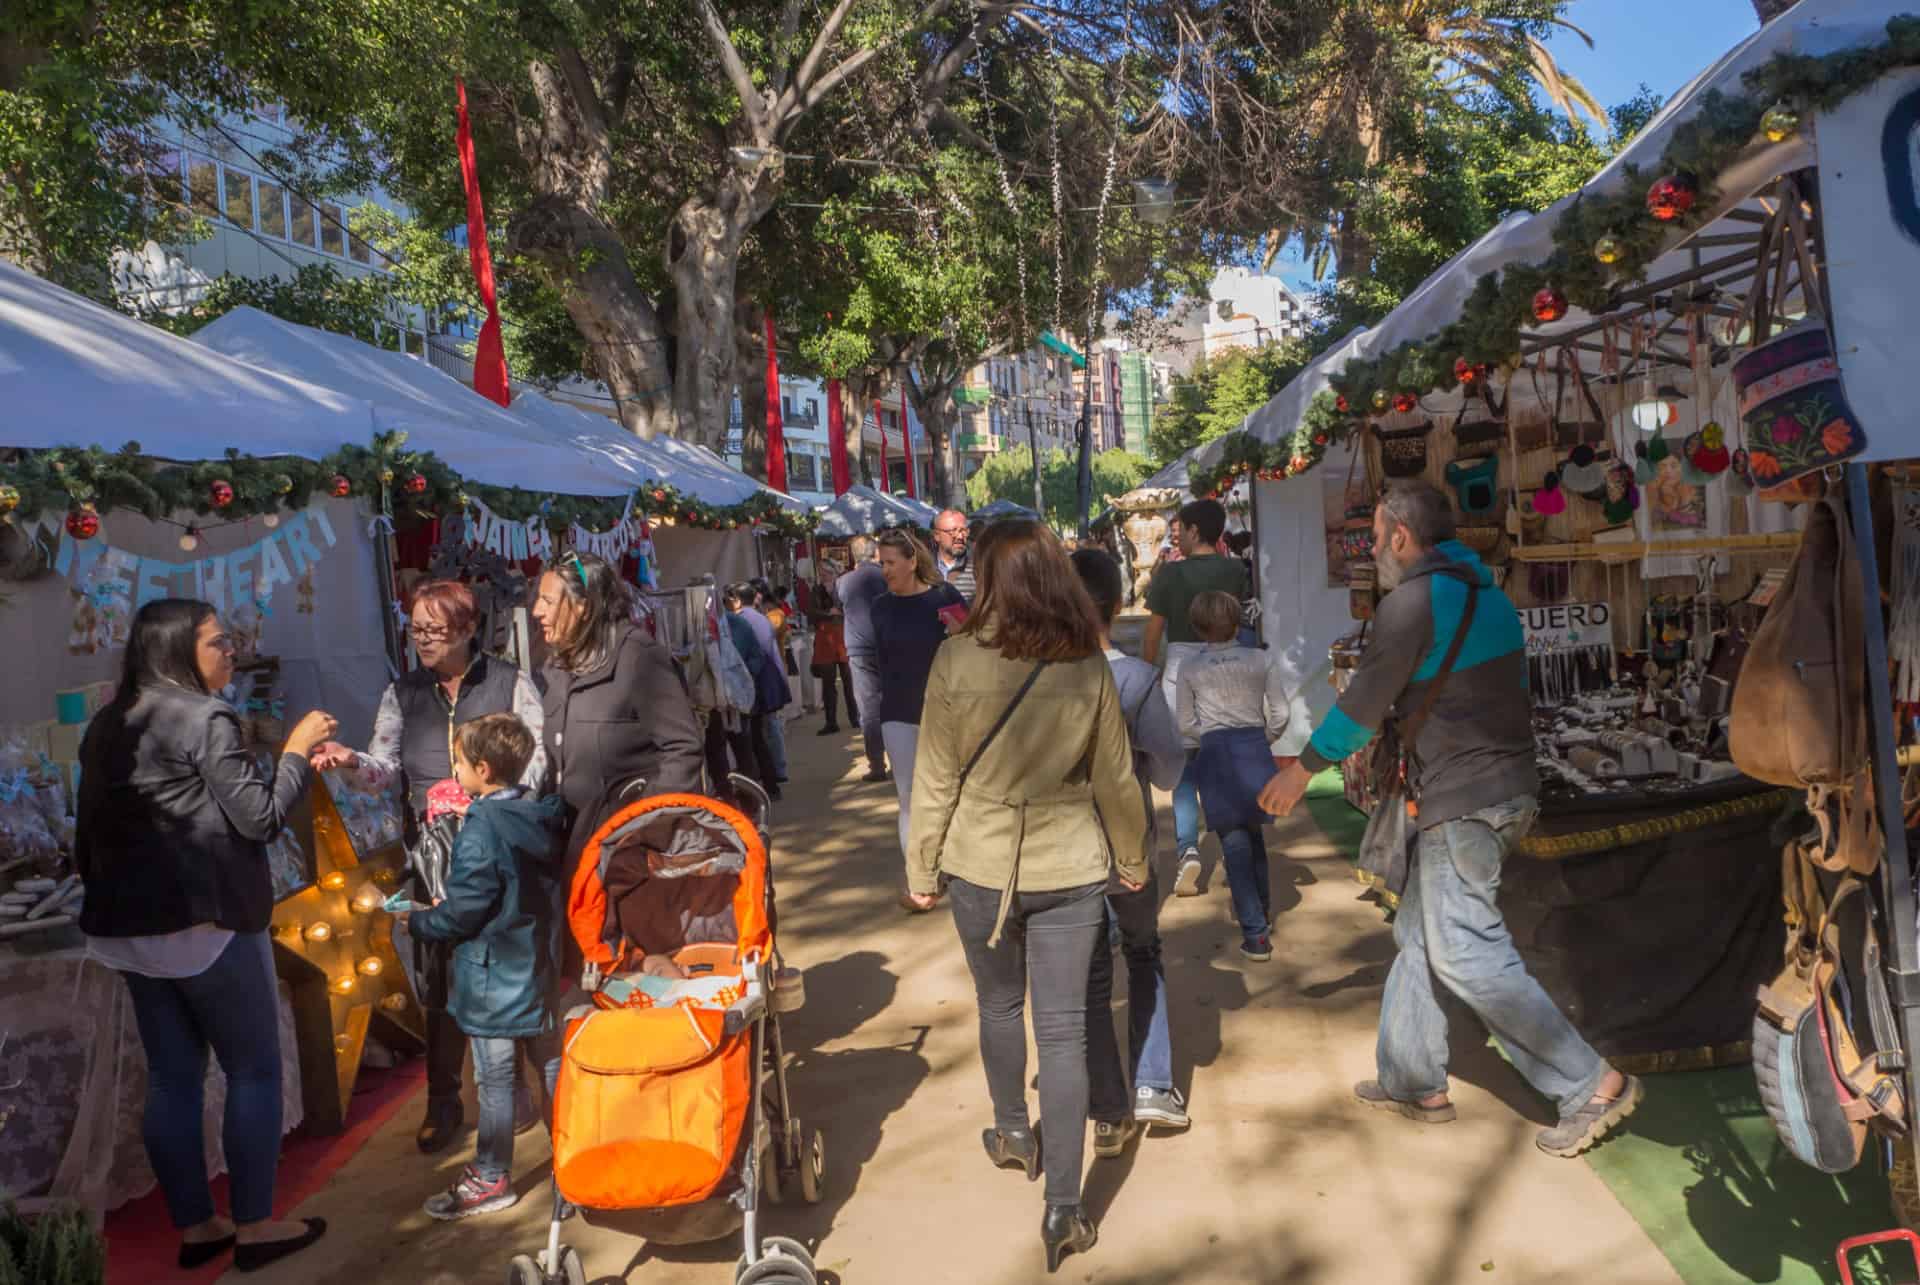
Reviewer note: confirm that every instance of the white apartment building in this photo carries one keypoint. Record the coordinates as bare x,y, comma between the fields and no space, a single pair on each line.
1032,397
803,416
1250,310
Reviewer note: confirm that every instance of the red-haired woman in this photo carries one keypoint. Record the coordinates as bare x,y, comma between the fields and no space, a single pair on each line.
1024,800
455,683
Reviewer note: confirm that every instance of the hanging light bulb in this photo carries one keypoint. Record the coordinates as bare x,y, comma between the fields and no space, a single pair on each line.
1153,200
367,900
1658,411
272,520
371,966
189,540
344,984
334,880
319,930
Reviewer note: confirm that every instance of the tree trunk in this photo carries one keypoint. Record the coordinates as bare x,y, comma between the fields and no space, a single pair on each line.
750,376
703,254
1768,10
932,399
859,389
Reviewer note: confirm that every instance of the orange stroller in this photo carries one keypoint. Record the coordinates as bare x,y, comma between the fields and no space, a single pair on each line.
674,1092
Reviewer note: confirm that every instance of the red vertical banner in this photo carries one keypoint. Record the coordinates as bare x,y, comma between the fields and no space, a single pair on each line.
837,438
906,441
776,426
881,425
489,355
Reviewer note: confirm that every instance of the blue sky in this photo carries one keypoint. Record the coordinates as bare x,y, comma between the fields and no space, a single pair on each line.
1659,43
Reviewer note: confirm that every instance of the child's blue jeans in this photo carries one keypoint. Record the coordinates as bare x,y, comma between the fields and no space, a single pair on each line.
1230,768
493,1061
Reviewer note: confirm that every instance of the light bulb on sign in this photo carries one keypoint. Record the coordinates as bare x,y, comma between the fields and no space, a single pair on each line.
370,966
367,900
343,985
394,1003
334,880
320,930
341,1044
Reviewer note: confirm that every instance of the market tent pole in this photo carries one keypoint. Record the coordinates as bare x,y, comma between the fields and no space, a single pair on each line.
1896,873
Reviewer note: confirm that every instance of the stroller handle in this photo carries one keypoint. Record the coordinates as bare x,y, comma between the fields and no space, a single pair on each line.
748,791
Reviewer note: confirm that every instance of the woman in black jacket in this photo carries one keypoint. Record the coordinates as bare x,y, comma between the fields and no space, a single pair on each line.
616,706
175,814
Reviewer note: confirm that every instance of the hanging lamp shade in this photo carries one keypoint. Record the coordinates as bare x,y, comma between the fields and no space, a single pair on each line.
1153,200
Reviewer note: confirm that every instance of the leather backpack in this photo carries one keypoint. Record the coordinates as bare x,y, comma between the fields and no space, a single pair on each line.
1799,715
1821,1090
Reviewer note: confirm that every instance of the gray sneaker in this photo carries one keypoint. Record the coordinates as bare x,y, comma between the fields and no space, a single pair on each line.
1111,1138
1186,877
1592,1122
1164,1107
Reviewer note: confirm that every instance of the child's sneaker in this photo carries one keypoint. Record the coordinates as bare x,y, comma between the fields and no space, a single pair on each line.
1164,1107
1258,949
1186,877
472,1195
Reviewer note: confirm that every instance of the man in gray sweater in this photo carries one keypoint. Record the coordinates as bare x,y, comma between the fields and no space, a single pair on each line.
1471,768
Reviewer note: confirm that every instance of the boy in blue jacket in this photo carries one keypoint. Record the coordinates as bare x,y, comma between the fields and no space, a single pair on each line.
503,914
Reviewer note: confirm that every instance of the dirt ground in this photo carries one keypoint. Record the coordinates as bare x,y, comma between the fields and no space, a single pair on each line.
1283,1177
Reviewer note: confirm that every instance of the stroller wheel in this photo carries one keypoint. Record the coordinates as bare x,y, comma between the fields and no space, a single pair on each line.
572,1270
776,1271
813,1166
771,1187
522,1270
785,1247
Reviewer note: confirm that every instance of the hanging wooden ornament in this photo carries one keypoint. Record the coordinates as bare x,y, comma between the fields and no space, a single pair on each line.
1671,197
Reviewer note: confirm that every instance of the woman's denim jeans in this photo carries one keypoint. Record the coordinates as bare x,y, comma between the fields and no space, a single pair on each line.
234,1009
1134,917
1048,943
1450,933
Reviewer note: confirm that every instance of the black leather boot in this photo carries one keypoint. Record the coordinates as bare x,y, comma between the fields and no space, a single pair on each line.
1065,1230
1017,1149
443,1121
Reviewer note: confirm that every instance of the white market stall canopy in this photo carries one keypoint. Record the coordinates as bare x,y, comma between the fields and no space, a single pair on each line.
1704,269
863,510
76,374
471,435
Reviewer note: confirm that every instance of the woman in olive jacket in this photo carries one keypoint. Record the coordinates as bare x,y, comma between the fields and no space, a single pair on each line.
1024,799
175,814
616,706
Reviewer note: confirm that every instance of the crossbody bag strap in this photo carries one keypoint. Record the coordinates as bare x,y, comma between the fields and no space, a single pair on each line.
1410,728
1033,677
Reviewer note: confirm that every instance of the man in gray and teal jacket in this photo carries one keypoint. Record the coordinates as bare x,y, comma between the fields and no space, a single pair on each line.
1472,769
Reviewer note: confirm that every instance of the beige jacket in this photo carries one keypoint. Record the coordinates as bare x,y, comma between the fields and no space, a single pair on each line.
1052,804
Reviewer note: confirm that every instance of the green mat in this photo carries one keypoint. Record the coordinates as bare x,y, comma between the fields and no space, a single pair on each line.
1701,1170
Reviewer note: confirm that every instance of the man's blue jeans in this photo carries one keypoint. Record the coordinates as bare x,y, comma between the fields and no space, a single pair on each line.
234,1009
1135,918
1450,933
1186,810
493,1074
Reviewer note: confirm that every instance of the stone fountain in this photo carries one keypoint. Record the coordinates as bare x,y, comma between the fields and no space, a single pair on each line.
1145,525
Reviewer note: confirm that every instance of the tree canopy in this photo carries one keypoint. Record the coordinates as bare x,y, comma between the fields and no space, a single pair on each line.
1009,476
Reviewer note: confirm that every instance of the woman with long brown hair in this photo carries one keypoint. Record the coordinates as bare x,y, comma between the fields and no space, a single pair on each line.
1024,800
616,706
910,621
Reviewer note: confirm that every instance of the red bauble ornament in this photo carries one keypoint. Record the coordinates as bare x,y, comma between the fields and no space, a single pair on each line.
83,523
220,494
659,496
1340,404
1319,439
1404,402
1672,196
417,484
341,488
1549,304
1465,371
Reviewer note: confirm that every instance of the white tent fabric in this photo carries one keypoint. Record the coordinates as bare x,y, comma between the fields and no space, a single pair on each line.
863,510
470,434
73,373
693,470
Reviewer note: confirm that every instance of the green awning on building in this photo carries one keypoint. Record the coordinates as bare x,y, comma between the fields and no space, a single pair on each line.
975,395
1050,340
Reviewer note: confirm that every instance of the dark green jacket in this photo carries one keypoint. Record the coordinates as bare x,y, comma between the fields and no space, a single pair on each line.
505,911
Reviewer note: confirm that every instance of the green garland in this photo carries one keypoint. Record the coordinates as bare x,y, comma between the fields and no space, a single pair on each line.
1500,306
406,483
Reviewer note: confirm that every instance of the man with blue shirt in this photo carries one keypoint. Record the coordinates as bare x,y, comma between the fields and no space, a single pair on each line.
1472,769
857,591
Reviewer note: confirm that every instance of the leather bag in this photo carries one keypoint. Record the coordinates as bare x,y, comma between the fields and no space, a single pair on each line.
1799,708
1822,1092
1387,844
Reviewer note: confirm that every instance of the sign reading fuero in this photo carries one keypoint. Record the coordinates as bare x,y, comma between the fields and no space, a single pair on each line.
1567,626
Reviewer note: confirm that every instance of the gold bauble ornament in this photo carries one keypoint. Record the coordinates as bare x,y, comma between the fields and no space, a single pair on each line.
1379,400
1609,250
1780,123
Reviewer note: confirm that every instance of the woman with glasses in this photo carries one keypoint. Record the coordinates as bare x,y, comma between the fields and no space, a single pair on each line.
175,814
617,708
456,682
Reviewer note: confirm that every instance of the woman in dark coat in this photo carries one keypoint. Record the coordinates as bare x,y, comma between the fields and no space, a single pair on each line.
616,706
174,820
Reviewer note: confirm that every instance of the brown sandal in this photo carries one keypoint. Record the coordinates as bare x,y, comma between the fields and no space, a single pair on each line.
1370,1092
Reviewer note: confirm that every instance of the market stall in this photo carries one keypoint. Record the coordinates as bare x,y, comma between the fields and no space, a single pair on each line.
1579,381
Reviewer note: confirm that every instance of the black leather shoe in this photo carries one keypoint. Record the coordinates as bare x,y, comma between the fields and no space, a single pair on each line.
829,730
263,1253
1018,1149
198,1253
1065,1230
443,1121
